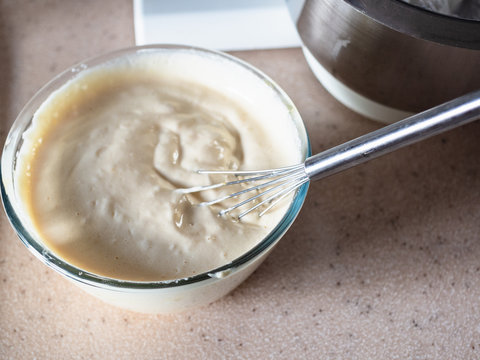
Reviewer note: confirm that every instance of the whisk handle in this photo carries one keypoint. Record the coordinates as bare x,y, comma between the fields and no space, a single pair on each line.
449,115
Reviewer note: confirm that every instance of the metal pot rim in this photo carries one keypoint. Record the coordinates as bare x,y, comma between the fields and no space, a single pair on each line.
421,23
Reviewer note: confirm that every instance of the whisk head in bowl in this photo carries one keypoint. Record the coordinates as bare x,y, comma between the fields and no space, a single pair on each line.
282,181
271,186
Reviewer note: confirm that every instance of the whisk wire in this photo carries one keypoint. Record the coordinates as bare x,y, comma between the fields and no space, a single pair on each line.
266,174
275,198
285,193
279,186
271,172
281,181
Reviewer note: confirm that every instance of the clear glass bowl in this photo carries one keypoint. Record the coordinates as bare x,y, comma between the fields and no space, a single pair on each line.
156,296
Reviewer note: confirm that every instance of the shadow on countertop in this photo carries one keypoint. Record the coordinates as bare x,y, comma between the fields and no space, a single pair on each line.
411,214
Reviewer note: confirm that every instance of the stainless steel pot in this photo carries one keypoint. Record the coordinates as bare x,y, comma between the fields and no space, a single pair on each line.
390,54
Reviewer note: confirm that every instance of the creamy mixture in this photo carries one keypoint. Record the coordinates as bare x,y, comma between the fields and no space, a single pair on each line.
100,163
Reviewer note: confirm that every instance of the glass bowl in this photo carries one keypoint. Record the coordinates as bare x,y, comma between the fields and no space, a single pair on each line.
153,296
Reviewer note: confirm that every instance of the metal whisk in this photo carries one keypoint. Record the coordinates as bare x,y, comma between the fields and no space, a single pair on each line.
275,184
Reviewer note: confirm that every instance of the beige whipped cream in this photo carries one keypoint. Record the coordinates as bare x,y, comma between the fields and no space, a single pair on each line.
100,163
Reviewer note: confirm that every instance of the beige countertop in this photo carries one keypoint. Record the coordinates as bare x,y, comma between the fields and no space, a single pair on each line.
382,263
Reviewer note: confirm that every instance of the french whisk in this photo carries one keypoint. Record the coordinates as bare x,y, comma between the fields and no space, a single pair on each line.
271,186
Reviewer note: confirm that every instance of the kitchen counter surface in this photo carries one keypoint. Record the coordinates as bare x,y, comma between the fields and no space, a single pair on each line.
383,261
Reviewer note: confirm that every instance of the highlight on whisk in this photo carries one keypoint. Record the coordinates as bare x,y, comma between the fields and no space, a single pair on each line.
271,186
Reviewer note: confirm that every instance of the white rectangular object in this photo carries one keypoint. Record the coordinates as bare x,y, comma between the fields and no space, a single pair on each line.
216,24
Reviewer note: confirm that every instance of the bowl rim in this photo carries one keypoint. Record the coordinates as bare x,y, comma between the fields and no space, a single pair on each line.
422,23
72,272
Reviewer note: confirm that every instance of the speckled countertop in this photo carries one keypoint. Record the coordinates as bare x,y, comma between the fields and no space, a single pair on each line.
382,263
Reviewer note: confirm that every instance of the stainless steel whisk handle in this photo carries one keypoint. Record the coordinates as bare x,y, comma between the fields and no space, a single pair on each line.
447,116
